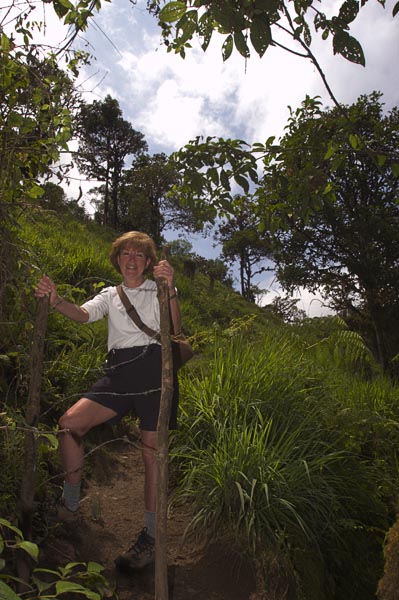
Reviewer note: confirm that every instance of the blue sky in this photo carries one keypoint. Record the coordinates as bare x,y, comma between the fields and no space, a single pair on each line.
171,100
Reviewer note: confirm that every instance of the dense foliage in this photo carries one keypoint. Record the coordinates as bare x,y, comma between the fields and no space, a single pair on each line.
331,197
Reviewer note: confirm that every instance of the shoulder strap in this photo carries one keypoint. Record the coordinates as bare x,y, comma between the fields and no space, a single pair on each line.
133,314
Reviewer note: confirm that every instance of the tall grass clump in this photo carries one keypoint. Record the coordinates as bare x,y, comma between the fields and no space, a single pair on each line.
257,458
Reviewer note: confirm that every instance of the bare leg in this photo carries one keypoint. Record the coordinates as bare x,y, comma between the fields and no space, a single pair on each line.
78,420
149,448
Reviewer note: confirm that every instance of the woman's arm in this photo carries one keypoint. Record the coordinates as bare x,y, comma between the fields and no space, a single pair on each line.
164,270
47,287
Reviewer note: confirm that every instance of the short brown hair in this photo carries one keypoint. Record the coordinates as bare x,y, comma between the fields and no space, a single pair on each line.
138,240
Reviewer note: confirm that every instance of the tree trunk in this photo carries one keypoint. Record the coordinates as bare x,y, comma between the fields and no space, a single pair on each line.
161,566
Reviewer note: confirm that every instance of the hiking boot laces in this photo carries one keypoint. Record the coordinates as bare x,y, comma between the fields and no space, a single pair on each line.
139,555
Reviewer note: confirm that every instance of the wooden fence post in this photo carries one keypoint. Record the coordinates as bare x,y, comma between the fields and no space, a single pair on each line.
32,412
161,565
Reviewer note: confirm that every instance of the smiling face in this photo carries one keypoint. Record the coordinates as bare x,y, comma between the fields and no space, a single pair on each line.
132,263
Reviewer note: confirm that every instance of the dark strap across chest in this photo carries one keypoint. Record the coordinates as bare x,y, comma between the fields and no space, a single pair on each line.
133,314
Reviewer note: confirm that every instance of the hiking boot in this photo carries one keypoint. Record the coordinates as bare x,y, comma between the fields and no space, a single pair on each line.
62,513
139,555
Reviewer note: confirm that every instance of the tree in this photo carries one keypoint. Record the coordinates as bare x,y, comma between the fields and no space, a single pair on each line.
105,140
54,198
147,202
242,241
286,309
37,100
334,205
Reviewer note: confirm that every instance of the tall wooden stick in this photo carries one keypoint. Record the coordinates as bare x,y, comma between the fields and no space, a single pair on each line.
32,413
161,565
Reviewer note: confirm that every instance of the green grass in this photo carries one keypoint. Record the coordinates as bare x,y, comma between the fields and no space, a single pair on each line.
272,448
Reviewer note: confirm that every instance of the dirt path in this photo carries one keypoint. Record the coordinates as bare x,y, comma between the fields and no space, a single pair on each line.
112,518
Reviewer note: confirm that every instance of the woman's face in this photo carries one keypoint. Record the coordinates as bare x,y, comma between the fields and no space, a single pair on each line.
132,262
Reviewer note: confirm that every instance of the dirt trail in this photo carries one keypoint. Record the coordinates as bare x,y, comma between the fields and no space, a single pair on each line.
112,518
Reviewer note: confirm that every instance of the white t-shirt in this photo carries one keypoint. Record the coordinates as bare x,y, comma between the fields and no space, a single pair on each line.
122,331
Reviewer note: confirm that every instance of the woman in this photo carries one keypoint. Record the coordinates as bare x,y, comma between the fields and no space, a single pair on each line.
132,379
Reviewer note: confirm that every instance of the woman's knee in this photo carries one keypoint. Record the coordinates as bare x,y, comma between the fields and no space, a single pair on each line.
73,424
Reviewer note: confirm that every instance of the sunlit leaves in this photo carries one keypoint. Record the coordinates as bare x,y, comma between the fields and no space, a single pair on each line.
172,12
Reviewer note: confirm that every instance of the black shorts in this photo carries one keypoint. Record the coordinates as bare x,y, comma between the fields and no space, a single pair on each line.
132,384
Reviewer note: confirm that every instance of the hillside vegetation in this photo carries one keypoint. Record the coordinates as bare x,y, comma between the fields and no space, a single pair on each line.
288,432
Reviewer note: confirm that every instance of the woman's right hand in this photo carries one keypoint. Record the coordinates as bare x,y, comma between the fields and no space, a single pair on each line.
46,287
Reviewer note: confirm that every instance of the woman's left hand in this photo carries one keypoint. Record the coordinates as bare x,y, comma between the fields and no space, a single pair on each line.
165,270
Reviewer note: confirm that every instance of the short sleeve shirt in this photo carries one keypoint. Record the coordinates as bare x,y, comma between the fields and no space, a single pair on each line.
122,331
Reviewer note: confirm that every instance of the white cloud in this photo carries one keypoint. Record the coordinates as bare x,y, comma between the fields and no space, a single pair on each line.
314,305
172,100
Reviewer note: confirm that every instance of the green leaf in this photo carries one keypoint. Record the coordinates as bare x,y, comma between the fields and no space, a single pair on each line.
29,547
331,150
395,169
42,586
349,11
10,526
60,9
93,567
49,439
227,47
65,587
227,18
241,44
5,42
243,182
6,593
35,191
395,10
205,30
354,141
348,47
172,12
213,175
187,25
224,180
260,34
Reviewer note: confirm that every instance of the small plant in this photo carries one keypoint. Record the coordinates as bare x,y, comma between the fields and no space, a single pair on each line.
45,584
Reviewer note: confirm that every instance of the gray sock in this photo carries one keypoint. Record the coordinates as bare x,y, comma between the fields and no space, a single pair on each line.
149,522
71,495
